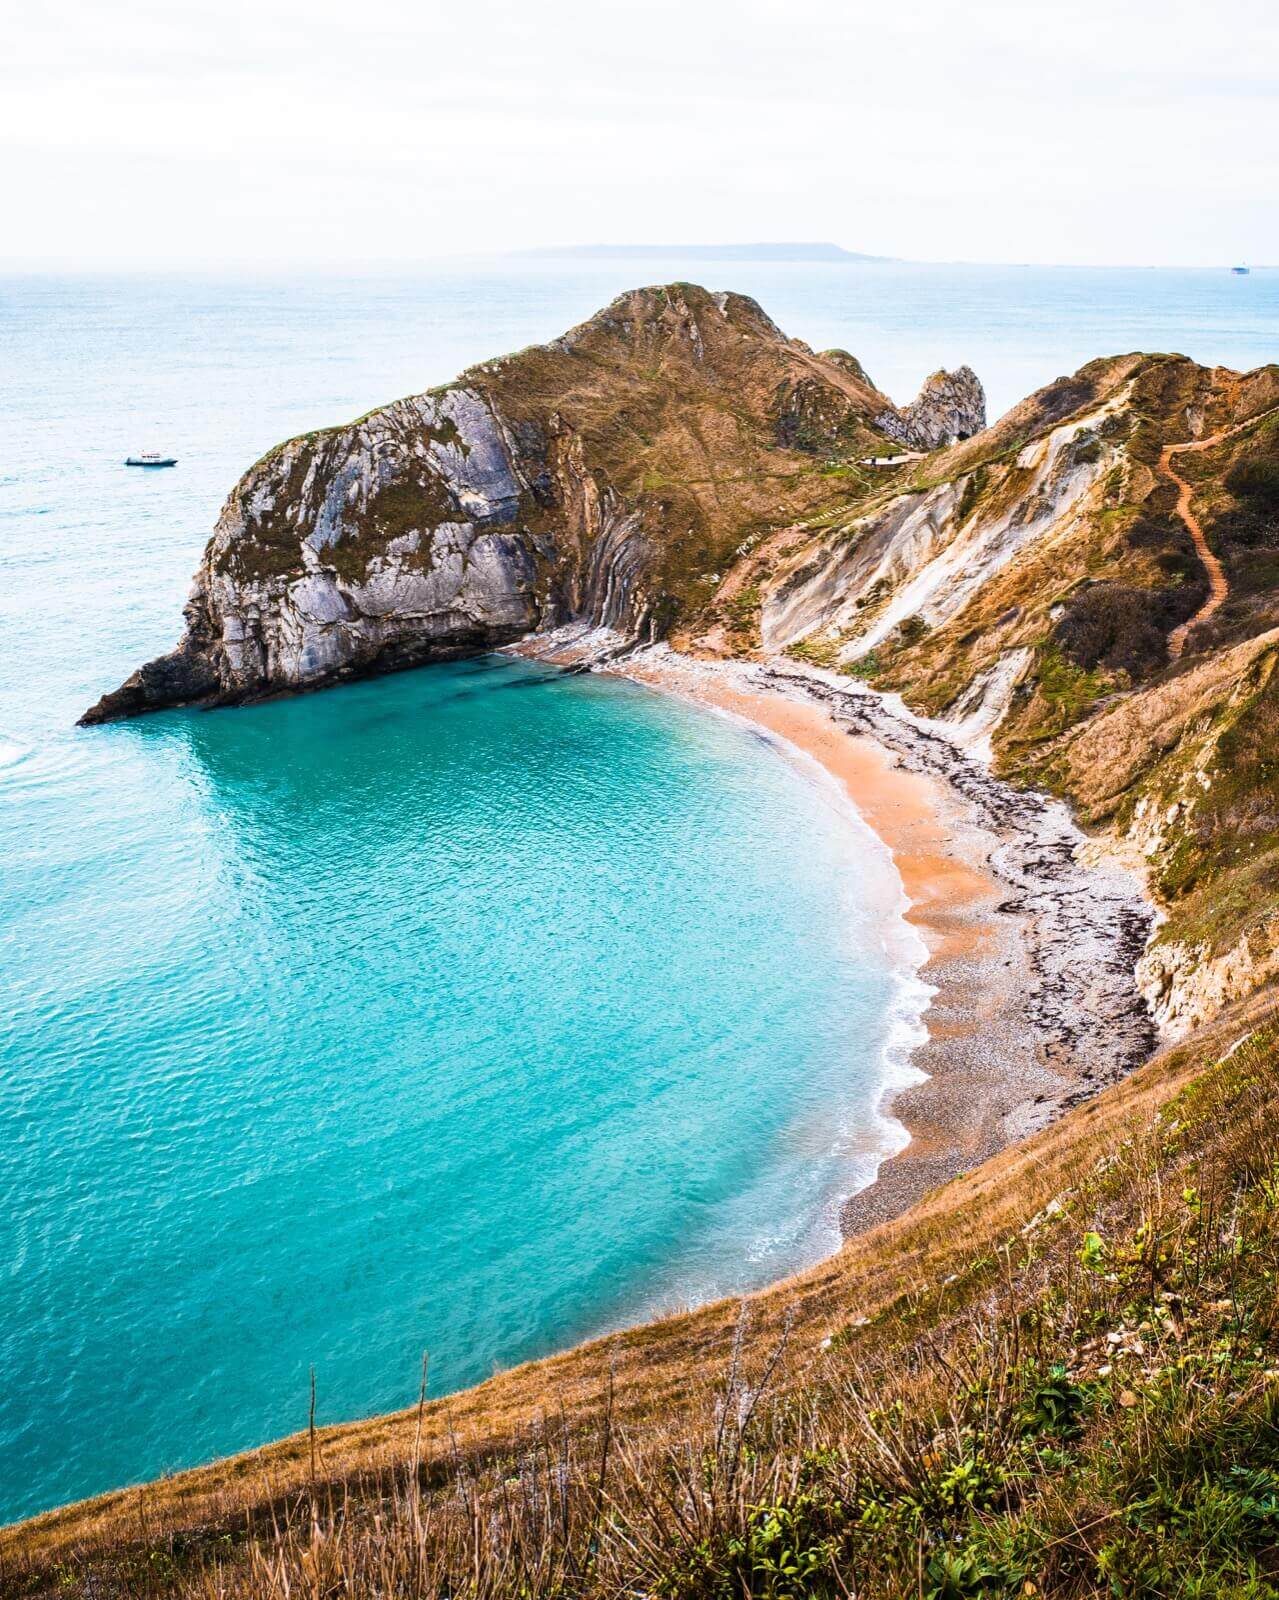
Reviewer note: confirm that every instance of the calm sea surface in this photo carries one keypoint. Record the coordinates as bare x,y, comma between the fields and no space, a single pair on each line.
477,1009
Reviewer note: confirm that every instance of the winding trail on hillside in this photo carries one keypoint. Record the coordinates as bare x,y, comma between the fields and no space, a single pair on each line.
1218,587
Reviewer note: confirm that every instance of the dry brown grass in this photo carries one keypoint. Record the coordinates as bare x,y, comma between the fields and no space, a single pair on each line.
679,407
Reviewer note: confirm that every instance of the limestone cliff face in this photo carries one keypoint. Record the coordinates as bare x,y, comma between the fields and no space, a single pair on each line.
407,535
1032,586
951,407
380,539
926,556
608,476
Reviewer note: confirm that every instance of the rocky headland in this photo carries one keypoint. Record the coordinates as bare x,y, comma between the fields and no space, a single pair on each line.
608,476
677,469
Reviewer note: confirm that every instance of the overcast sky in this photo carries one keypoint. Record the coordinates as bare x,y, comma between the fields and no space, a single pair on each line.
259,132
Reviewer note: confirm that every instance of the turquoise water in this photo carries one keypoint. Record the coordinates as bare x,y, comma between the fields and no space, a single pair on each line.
477,1009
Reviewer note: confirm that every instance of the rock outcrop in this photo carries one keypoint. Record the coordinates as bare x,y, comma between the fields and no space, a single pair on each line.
951,407
609,476
374,546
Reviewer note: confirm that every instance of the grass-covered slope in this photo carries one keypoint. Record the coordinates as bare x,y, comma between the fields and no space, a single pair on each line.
1043,579
697,412
1058,1375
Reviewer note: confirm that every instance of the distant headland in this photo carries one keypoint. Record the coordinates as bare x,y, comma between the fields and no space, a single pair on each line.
819,251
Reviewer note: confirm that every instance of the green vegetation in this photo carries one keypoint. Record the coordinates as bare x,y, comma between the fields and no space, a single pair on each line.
816,651
1255,480
1085,448
742,613
270,546
414,504
1220,872
867,667
1067,692
1052,701
856,477
817,418
1108,1424
823,651
974,488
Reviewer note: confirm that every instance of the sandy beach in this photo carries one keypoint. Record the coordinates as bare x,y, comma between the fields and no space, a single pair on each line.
954,1117
1030,951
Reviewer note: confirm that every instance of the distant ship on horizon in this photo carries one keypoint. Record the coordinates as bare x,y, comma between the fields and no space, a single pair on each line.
1241,272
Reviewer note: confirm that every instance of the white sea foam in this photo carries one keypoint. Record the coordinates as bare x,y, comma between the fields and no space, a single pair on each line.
907,953
906,1030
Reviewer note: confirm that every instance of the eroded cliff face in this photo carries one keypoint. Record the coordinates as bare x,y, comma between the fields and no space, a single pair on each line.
411,534
609,476
927,555
951,407
1030,588
1183,775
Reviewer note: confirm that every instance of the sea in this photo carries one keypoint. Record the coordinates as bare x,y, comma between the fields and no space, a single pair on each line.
472,1011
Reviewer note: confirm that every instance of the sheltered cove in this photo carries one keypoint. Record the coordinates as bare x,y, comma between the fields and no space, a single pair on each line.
1031,951
677,469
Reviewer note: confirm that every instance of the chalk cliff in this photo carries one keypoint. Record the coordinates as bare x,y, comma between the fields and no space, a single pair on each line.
1040,589
608,476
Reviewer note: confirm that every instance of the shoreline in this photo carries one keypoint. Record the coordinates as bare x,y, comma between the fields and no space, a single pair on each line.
929,926
1030,958
950,901
1035,1005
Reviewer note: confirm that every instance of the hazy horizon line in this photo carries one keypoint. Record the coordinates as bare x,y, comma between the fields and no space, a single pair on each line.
592,254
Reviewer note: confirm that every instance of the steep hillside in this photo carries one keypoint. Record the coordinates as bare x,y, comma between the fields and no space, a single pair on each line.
1045,587
611,476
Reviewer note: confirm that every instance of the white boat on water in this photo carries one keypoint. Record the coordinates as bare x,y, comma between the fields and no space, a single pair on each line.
151,458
